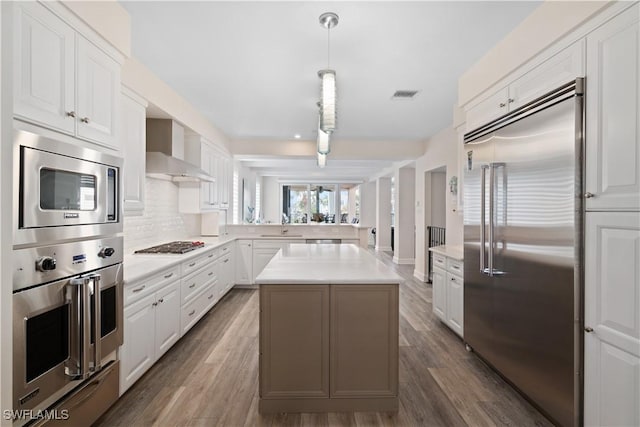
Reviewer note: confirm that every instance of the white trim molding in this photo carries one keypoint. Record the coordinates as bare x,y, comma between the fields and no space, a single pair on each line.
420,276
404,261
383,248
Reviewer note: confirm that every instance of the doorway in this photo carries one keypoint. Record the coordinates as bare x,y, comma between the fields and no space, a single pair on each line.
435,187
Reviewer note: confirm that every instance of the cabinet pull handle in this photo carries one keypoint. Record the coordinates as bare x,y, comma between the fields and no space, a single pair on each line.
210,273
511,100
71,114
192,264
225,249
453,279
154,304
502,105
135,291
161,300
191,286
588,195
210,296
210,256
168,275
85,120
588,329
226,260
192,313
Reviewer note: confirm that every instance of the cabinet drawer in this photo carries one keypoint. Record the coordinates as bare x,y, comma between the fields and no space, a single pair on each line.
196,282
134,291
439,261
455,267
226,250
196,263
193,311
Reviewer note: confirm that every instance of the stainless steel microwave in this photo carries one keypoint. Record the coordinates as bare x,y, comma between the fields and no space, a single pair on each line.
65,191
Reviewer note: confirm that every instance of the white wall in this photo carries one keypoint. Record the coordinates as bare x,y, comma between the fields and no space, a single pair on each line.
438,199
383,214
440,150
368,204
404,228
271,199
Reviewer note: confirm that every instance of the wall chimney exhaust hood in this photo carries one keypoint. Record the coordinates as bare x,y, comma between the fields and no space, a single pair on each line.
165,153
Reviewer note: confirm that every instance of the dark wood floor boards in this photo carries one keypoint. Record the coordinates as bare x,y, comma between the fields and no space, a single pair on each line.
210,377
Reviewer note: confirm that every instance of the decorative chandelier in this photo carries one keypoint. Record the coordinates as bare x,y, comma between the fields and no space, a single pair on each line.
328,77
323,140
322,160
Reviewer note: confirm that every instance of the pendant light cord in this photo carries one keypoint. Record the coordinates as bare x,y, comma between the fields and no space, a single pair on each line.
328,47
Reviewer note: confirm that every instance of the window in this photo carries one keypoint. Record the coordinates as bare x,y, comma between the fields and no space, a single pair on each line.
309,203
295,203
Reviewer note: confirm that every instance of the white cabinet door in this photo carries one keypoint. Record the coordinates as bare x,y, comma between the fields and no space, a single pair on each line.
561,68
167,318
488,110
612,99
455,303
439,294
137,353
612,311
98,86
207,188
225,180
244,263
132,131
43,67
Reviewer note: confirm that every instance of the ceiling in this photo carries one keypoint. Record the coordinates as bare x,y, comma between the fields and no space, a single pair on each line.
251,67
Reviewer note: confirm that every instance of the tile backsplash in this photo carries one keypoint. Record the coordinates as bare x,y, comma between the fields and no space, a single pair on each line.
160,221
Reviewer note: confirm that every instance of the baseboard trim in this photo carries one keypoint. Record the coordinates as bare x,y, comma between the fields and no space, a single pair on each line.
246,286
404,261
383,249
420,276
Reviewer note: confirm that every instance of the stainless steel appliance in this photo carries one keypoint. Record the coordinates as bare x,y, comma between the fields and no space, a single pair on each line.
177,247
65,191
67,323
523,279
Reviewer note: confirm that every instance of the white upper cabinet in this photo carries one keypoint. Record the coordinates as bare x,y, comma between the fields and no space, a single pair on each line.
43,68
132,132
559,69
612,130
63,81
98,83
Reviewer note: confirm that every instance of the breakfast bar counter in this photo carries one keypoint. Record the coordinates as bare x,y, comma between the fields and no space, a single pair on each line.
328,331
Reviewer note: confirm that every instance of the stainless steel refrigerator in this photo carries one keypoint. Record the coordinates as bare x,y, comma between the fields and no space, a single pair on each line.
523,249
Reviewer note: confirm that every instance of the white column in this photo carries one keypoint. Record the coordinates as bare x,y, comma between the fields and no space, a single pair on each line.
383,214
404,233
368,204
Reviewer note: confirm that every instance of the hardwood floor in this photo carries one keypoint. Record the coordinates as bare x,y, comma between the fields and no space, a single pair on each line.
210,377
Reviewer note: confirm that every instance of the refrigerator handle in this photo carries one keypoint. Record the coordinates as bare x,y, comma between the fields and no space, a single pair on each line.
483,180
492,179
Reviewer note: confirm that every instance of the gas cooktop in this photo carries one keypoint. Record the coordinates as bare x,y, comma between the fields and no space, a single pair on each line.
178,247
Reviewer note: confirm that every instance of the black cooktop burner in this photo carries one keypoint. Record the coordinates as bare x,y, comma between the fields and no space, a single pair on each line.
179,247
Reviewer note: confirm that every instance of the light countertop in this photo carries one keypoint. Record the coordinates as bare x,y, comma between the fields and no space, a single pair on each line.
451,251
326,264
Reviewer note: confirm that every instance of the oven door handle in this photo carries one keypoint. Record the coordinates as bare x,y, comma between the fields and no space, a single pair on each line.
79,297
97,323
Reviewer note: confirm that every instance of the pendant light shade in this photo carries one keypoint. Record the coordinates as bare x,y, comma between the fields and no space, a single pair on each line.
322,160
323,141
328,100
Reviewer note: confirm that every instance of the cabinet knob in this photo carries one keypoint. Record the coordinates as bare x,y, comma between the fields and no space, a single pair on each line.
85,120
154,304
511,100
502,105
161,300
588,195
588,329
71,114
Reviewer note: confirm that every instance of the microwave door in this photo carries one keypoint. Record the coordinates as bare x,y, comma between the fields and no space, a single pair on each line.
58,190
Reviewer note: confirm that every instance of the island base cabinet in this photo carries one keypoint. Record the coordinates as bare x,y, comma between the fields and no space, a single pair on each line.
328,348
364,340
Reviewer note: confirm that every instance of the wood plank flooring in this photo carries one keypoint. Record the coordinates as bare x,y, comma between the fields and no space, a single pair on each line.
210,377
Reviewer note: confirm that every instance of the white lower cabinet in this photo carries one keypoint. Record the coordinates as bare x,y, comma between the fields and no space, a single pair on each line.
612,319
151,327
244,262
448,292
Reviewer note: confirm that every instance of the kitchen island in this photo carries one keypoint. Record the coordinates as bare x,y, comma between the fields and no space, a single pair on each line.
328,331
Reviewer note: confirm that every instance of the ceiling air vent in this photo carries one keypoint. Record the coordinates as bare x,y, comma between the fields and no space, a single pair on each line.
404,94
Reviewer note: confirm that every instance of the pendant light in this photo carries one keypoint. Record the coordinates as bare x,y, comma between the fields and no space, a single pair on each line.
328,77
322,160
323,140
